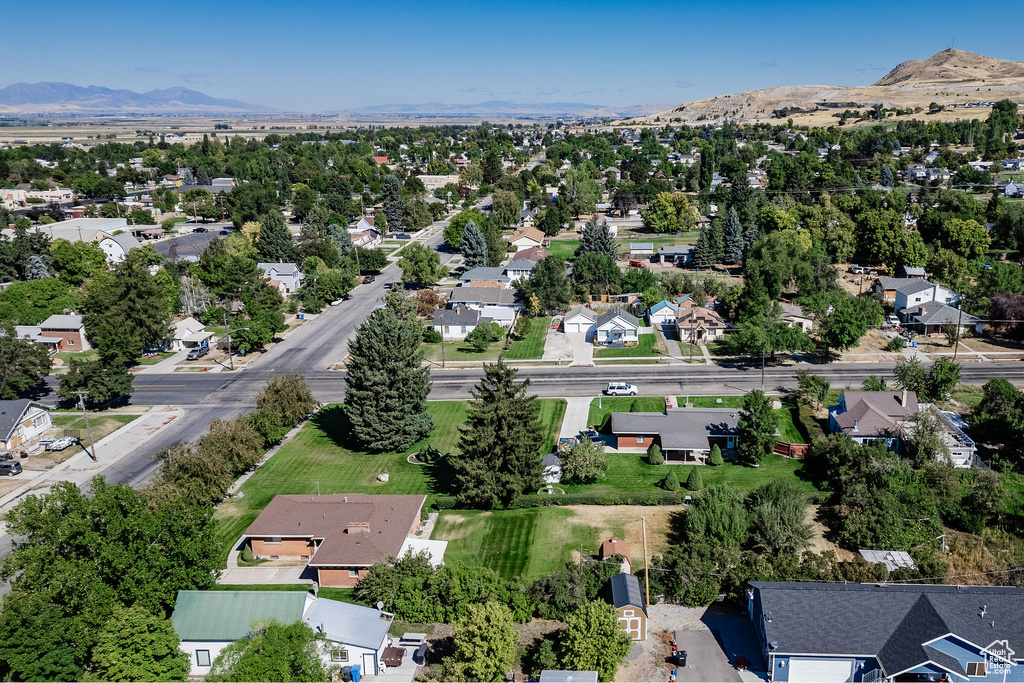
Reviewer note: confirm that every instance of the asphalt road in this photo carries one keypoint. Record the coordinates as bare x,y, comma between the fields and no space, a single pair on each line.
191,243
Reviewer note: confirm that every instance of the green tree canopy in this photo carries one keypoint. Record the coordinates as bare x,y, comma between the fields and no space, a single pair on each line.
138,645
594,640
23,363
756,427
421,264
277,652
597,239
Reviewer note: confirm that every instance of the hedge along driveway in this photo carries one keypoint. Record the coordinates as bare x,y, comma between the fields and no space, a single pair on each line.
319,457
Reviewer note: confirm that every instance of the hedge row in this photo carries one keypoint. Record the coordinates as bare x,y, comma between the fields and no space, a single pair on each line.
543,500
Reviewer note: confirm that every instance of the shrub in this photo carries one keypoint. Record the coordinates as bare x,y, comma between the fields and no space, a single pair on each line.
247,553
430,335
895,344
694,482
716,456
654,456
670,482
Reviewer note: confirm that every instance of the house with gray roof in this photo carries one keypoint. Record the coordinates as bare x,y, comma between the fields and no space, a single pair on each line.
520,268
484,274
286,277
616,326
628,599
833,632
455,323
641,249
209,621
480,297
904,292
116,247
579,319
68,329
934,317
676,253
22,421
685,435
868,417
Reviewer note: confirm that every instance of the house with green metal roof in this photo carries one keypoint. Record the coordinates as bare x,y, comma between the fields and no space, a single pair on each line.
209,621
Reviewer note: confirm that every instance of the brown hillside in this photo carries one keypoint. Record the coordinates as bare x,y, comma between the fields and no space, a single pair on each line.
953,67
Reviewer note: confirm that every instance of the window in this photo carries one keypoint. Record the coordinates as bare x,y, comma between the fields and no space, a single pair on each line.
639,439
339,655
272,539
202,658
274,557
976,669
353,573
71,342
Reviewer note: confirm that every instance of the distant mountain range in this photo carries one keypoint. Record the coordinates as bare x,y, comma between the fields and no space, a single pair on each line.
48,98
501,107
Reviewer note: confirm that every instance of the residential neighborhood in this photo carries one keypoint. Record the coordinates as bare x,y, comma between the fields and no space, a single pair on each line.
524,390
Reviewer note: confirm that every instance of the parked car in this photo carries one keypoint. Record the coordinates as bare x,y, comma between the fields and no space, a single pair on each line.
621,389
404,236
197,353
224,232
593,435
200,230
337,302
633,263
10,468
893,321
62,443
368,279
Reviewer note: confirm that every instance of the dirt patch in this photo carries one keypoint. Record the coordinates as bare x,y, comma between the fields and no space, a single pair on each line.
624,521
820,542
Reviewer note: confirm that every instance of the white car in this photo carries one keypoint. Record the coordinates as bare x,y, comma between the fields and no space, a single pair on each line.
621,389
893,321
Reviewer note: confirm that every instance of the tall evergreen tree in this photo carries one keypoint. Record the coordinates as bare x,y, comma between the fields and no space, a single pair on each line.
887,178
750,235
491,166
36,268
733,238
386,398
124,311
596,239
501,441
339,235
202,177
756,427
275,244
394,203
703,253
474,246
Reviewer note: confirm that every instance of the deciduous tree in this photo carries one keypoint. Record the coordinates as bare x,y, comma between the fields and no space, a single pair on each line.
421,264
756,427
485,643
138,645
594,640
23,363
277,652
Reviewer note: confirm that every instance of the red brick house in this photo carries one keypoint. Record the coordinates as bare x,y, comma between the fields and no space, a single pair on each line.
69,329
340,535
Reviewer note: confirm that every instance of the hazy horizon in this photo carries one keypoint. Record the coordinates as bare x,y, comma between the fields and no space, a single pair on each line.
321,56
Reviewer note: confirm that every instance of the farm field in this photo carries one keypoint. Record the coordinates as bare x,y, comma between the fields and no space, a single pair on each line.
318,459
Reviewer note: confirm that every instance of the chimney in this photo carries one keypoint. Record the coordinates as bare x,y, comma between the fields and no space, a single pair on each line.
903,399
855,430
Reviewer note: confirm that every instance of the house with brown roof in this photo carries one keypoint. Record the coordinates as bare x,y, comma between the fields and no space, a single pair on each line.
527,238
340,535
699,325
533,254
613,547
871,416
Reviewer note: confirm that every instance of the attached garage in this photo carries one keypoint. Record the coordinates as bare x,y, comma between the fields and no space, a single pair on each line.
820,670
579,320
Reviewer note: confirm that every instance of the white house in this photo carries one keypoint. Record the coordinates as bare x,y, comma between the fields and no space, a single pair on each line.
190,333
579,319
364,234
906,292
527,238
519,269
794,316
662,313
480,297
616,326
208,621
287,275
455,323
21,421
116,247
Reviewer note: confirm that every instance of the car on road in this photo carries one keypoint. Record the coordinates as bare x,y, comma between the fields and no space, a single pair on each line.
337,302
10,468
368,279
621,389
197,353
61,443
200,230
224,232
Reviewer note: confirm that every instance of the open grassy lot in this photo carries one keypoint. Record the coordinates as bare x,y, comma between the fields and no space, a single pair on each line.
527,544
564,248
342,594
532,346
647,345
319,455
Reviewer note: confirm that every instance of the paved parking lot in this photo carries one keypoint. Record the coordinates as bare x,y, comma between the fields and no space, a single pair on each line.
705,659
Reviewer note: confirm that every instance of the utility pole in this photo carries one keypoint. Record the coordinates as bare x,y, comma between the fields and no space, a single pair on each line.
227,333
762,371
959,317
81,402
647,570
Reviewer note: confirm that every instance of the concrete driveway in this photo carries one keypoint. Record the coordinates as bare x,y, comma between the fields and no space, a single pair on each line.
705,660
582,351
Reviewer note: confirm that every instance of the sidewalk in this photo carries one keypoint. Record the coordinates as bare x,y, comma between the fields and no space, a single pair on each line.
80,468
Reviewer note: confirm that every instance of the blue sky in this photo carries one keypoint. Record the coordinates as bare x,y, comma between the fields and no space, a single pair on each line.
320,56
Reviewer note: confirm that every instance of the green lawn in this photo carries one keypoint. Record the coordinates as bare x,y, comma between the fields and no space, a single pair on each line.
563,248
620,404
342,594
523,544
318,456
156,358
530,347
645,347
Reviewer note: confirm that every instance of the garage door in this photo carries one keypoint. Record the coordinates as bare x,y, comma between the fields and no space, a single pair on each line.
820,671
574,327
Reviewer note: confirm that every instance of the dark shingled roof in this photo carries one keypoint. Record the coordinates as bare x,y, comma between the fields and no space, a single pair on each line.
681,428
626,591
890,622
390,520
611,315
10,415
876,413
